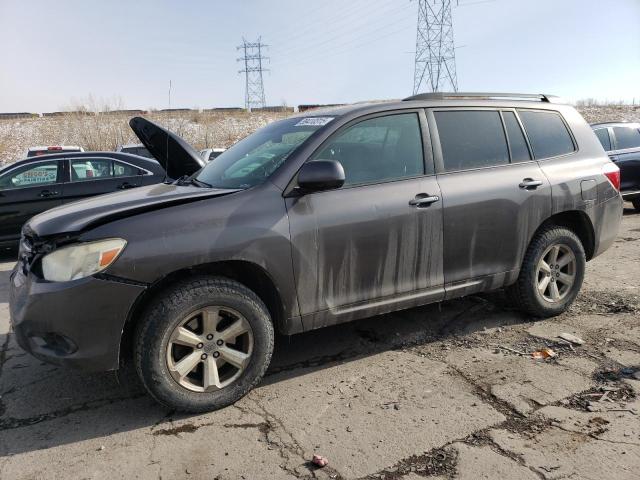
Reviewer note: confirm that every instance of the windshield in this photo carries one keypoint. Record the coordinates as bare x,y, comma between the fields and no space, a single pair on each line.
252,160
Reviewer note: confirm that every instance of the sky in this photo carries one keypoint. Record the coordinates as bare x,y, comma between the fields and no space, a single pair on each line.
57,54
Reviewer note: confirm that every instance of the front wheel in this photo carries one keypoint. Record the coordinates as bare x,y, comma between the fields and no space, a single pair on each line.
551,275
203,344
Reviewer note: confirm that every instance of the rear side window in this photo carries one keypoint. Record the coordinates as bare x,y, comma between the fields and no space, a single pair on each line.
471,139
517,142
90,169
547,133
603,136
626,137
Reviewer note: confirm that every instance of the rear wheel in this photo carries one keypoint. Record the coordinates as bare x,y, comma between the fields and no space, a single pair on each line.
636,204
203,344
551,275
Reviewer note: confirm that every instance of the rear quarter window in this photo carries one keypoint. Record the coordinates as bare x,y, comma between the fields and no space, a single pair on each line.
548,134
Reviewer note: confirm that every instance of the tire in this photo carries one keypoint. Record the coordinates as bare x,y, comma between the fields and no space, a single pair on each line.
636,204
525,294
158,344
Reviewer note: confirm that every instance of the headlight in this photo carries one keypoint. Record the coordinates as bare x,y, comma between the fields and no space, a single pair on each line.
81,260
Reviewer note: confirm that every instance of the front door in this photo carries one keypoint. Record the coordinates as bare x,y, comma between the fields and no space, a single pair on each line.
26,191
495,196
377,241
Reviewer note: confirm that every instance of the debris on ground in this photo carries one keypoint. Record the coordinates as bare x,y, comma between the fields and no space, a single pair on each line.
571,338
319,461
544,354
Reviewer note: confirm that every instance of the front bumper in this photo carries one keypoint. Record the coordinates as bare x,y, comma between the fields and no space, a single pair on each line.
76,324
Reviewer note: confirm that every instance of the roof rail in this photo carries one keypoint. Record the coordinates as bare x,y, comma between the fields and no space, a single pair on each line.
486,96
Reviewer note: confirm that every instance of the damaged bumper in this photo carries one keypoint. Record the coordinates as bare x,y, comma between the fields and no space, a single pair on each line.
76,324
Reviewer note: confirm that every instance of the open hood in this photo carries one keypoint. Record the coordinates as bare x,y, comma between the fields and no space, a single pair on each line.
176,156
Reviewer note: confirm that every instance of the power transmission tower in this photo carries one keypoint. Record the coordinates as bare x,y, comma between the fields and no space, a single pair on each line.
435,67
254,85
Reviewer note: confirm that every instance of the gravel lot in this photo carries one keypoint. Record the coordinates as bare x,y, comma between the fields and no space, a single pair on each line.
431,392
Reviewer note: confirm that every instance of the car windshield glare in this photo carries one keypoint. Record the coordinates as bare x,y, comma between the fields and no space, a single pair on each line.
252,160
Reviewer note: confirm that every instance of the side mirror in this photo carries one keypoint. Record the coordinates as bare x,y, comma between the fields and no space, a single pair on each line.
319,175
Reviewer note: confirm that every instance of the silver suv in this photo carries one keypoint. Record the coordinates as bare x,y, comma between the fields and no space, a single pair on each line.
312,221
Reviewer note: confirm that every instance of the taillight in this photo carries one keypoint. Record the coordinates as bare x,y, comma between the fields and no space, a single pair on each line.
612,172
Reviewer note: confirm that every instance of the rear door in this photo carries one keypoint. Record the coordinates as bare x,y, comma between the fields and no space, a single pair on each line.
495,195
378,239
626,155
89,176
26,191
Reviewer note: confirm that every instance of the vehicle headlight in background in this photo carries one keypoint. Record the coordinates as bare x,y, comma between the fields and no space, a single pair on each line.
81,260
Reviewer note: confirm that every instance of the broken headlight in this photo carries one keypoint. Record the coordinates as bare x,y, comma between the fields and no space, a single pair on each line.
81,259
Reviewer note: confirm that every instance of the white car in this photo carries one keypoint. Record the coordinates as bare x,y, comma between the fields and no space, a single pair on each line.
47,150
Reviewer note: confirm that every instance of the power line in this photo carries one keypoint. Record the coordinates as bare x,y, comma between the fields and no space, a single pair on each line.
435,62
254,84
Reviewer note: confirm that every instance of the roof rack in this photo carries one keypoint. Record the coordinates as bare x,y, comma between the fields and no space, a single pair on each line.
486,96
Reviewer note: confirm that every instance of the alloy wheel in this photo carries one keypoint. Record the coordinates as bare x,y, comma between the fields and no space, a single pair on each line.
209,349
556,273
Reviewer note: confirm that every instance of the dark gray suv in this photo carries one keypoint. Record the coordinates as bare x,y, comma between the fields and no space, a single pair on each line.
312,221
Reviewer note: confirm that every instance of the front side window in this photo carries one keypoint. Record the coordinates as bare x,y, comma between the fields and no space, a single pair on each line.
471,139
31,176
377,150
547,133
90,169
603,136
252,160
626,137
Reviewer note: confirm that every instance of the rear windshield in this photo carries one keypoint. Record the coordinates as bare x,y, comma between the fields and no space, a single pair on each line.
252,160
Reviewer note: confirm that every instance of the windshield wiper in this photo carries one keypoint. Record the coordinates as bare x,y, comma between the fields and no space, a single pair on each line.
187,180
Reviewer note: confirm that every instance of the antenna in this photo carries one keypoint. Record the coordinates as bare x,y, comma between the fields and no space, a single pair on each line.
435,63
254,82
166,168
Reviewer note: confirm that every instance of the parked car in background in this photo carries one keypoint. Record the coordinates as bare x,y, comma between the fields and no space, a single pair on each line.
135,149
31,186
51,149
621,141
312,221
210,153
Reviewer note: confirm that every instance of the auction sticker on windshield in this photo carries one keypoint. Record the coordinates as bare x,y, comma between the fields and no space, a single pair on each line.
314,121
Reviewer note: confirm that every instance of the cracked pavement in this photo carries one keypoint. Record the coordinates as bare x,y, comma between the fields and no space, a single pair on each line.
437,392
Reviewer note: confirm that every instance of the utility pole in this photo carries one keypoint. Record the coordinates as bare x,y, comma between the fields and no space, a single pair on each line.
435,64
254,85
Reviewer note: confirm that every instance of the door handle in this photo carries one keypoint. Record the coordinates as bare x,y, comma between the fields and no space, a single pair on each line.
423,200
530,184
48,193
125,185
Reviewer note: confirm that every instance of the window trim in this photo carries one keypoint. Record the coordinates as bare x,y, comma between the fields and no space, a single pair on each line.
437,147
524,134
428,166
612,136
60,173
69,180
576,147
